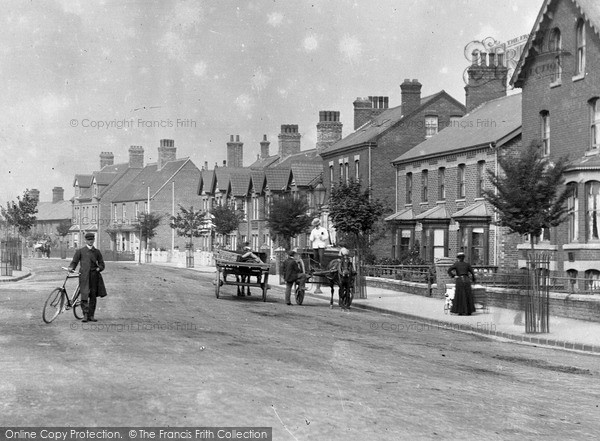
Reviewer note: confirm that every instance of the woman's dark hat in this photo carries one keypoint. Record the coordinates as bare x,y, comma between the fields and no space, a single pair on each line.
461,254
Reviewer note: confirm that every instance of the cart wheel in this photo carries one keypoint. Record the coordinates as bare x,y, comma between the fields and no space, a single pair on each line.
218,284
299,296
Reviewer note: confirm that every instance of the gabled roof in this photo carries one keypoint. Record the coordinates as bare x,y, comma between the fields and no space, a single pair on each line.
103,178
589,9
437,212
240,181
52,211
306,173
278,179
387,119
222,179
492,122
83,181
149,177
478,209
259,181
406,214
206,182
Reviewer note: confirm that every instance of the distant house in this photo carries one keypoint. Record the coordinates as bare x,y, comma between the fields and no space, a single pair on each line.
381,134
51,214
158,188
559,74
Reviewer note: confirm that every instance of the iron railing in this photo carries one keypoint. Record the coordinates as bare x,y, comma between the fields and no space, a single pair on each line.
487,276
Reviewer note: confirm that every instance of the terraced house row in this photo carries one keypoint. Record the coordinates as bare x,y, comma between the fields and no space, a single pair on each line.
427,158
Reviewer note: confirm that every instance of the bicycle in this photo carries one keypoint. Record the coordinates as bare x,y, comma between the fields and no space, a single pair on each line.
59,301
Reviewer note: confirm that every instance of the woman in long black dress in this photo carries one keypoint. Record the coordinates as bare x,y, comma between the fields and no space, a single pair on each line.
464,302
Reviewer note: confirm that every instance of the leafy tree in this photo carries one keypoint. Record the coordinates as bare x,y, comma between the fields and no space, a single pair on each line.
354,213
188,222
63,228
149,222
21,214
225,219
527,194
288,217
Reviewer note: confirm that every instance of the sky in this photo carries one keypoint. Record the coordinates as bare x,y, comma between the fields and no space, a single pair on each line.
84,77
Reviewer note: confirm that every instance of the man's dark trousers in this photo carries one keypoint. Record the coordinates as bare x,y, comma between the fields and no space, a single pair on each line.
89,307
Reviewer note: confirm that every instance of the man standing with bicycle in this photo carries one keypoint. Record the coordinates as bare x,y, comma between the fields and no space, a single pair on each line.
90,281
292,273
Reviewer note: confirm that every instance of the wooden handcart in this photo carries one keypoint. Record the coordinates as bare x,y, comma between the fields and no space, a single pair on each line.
228,264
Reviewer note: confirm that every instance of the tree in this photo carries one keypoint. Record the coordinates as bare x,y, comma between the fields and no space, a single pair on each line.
225,219
526,194
188,222
62,229
354,213
288,217
149,222
21,214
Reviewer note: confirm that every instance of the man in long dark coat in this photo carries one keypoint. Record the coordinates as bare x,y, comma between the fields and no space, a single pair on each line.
91,264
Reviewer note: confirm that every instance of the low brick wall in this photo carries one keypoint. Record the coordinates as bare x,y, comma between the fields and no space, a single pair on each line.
575,306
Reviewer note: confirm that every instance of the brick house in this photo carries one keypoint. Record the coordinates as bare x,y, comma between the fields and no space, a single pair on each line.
559,74
440,208
93,194
158,188
381,134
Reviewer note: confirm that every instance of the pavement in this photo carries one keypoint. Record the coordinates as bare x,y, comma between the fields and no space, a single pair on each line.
493,322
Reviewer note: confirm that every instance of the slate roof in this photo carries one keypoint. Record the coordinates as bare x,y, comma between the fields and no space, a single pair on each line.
402,215
83,180
478,209
306,173
149,176
494,121
240,181
262,163
584,163
437,212
49,211
278,179
590,9
371,130
259,181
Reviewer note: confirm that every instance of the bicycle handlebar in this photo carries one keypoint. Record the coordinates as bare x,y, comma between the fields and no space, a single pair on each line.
71,272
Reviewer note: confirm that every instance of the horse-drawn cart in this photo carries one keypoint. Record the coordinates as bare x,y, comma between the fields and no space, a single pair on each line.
335,271
228,263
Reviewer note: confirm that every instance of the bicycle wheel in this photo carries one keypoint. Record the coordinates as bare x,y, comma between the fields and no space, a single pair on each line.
53,306
76,302
299,296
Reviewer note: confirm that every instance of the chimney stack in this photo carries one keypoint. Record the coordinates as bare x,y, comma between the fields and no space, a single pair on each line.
166,152
487,79
264,148
329,129
106,158
366,109
235,152
289,140
411,95
34,193
58,194
136,156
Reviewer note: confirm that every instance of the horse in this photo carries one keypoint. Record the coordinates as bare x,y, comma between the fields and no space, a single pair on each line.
341,273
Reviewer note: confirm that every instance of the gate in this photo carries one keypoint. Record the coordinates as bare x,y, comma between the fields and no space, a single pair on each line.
537,306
